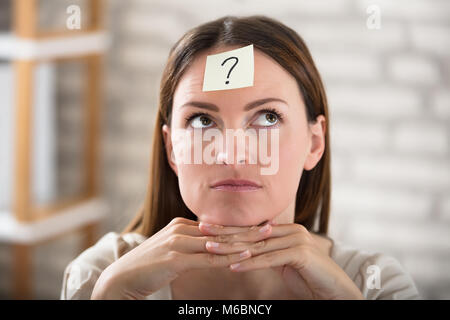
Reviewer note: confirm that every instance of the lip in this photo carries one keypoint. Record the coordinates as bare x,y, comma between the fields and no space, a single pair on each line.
236,185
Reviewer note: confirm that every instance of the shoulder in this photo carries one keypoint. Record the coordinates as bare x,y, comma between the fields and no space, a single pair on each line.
379,276
81,274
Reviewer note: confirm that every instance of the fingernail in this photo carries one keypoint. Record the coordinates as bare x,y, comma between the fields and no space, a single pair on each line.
245,253
235,266
205,224
265,228
212,244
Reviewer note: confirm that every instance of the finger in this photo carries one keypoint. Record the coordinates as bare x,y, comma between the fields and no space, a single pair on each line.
182,220
281,230
189,244
186,261
258,247
253,234
189,239
295,256
190,230
278,229
208,228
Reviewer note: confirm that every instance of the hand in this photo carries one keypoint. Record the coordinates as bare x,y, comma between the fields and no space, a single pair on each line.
290,250
176,248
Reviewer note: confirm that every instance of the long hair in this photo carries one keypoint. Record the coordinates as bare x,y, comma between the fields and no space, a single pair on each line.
163,200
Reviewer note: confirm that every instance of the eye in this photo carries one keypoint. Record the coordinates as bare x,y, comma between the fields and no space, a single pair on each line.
267,118
199,121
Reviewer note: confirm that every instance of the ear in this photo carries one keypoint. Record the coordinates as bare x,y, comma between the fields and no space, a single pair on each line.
169,147
317,142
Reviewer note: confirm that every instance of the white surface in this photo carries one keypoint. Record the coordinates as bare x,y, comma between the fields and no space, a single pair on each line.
87,212
12,47
43,134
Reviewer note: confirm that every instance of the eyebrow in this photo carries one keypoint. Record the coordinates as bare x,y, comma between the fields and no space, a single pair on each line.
248,106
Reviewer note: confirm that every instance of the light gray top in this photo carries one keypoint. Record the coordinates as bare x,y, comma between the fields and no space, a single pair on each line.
82,273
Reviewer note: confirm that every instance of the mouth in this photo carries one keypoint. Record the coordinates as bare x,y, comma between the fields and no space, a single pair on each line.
236,185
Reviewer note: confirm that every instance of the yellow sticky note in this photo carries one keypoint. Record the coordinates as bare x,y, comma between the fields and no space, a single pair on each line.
229,70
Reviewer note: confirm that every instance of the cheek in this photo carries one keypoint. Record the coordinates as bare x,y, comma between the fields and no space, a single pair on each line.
191,181
293,151
193,173
292,156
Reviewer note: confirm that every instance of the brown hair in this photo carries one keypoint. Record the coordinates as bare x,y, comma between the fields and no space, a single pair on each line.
163,200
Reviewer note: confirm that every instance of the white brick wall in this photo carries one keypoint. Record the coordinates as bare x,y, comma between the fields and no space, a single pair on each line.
444,212
421,138
431,38
383,102
349,135
403,172
356,66
441,104
390,113
411,10
410,69
380,203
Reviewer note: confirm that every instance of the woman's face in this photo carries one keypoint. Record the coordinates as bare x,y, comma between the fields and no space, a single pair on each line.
300,144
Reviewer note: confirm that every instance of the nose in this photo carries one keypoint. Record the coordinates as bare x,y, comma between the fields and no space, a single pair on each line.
227,158
235,149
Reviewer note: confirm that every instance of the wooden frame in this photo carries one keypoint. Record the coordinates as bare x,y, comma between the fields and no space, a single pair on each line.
25,20
25,26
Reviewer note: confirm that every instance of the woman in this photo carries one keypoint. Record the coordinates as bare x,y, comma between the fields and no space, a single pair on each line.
224,230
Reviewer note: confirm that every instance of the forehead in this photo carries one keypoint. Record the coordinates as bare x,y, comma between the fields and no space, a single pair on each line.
270,80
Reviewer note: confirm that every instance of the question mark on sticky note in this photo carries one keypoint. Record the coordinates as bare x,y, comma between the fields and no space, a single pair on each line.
217,64
231,69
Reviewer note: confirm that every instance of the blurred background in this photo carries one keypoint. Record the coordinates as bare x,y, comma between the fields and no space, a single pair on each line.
386,68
